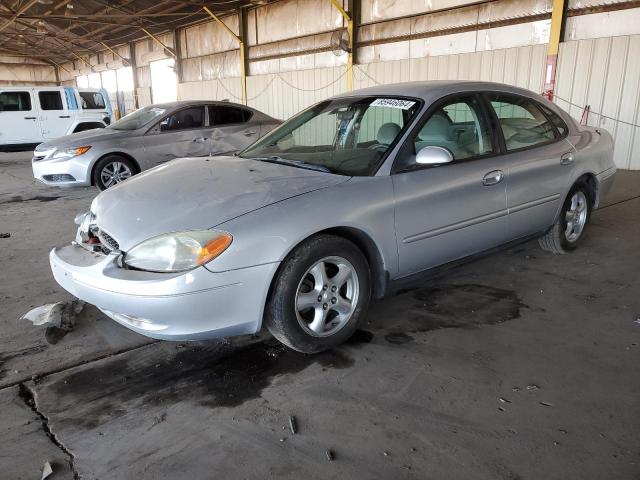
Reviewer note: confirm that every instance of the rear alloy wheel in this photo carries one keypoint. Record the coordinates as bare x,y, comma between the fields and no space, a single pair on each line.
319,295
112,170
569,227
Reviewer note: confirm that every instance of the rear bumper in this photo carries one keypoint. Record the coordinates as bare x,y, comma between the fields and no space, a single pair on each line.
193,305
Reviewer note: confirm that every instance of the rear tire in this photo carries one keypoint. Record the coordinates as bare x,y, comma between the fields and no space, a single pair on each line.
319,294
111,170
570,225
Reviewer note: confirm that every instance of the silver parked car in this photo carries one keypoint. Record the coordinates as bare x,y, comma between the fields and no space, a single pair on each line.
148,137
350,199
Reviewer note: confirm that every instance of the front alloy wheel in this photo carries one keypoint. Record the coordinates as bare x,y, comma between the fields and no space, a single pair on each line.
327,296
319,294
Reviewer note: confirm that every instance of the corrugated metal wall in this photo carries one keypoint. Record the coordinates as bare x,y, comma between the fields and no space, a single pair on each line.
604,73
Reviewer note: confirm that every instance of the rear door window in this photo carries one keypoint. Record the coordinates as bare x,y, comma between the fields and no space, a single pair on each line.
50,100
15,102
223,115
523,124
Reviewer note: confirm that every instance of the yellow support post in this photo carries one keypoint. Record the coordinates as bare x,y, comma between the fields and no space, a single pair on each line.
349,20
557,23
243,59
167,49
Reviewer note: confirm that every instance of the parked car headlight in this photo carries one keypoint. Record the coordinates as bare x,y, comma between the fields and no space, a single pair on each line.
70,152
179,251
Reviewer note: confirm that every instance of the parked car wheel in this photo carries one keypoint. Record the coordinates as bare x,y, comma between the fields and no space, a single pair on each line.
569,227
319,294
112,170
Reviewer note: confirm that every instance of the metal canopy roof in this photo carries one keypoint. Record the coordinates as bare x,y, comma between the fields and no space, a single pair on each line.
58,30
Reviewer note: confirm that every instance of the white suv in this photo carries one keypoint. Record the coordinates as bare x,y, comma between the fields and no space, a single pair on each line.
32,115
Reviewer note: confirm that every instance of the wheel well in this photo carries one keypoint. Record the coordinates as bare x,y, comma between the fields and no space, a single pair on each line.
371,252
121,154
590,181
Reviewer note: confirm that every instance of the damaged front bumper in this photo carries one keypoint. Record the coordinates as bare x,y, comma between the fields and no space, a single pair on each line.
193,305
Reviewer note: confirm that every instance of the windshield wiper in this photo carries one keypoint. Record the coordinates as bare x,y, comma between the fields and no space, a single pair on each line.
294,163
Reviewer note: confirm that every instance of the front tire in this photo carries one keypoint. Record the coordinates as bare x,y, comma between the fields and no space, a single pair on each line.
111,170
571,223
319,294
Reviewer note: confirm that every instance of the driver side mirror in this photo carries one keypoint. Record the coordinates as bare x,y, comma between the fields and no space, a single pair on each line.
433,155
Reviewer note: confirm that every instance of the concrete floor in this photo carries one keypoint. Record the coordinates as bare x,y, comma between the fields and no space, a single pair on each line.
522,365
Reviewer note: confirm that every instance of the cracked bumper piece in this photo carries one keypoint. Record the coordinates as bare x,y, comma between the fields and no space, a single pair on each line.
194,305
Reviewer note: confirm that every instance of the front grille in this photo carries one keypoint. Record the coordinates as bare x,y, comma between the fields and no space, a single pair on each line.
109,244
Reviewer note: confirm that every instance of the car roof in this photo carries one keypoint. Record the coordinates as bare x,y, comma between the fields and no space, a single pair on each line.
430,89
187,103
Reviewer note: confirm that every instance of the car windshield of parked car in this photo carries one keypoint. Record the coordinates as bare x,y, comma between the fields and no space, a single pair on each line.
138,119
348,136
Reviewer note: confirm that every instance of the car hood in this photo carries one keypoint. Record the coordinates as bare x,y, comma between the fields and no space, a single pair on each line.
197,194
84,138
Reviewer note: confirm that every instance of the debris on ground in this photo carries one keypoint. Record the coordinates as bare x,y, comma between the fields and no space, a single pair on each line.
5,235
46,470
330,455
503,400
637,322
59,318
533,386
546,404
292,424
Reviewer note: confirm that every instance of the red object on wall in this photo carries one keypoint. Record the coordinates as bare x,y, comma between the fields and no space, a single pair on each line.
550,77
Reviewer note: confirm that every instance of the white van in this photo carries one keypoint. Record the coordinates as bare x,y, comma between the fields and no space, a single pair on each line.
32,115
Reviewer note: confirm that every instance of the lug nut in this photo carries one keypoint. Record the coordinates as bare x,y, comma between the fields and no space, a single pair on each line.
325,306
319,298
324,287
334,288
333,300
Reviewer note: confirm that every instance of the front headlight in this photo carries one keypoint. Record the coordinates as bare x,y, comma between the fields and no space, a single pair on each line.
70,152
176,252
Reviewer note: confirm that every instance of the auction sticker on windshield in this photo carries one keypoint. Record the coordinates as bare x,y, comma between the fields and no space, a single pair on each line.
393,103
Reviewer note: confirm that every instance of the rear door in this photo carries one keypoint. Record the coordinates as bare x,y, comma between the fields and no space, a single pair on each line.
18,117
539,161
182,133
55,118
232,129
456,209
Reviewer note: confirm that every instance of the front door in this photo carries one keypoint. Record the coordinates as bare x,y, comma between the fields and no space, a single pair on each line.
456,209
55,117
18,118
232,130
539,161
180,134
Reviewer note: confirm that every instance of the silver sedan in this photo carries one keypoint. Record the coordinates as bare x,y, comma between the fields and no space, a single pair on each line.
351,199
146,138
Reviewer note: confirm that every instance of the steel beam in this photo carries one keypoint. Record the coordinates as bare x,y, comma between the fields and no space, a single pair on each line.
558,16
348,16
241,44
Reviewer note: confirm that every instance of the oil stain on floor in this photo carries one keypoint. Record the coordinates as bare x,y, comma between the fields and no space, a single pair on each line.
211,375
447,306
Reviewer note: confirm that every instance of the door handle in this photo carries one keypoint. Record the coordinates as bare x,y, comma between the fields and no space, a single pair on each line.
199,140
64,116
493,178
566,159
29,118
248,133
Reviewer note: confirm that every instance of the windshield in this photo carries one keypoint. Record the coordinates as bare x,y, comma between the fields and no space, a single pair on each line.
92,101
138,119
348,136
